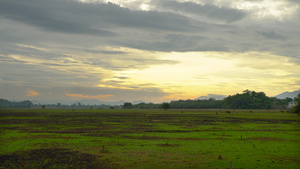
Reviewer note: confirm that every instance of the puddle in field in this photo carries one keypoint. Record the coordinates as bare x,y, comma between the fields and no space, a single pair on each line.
51,158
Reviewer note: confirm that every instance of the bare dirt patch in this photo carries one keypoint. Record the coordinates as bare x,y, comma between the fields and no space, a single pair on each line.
51,158
191,139
168,145
145,137
267,139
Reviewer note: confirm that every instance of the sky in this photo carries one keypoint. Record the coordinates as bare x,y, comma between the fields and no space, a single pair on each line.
147,50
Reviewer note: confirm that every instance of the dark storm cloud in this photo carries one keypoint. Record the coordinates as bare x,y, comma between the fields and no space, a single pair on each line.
178,42
49,15
145,20
71,23
104,52
32,52
124,63
271,35
295,1
77,18
121,77
181,43
42,75
209,11
169,28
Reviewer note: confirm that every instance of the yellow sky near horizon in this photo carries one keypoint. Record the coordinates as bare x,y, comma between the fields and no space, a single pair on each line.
200,73
185,75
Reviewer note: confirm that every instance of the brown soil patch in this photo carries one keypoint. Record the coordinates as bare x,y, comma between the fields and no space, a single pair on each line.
40,137
168,145
191,139
51,158
50,137
145,137
266,139
220,138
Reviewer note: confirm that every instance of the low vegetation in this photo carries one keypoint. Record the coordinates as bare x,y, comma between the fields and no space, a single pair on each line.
45,138
246,100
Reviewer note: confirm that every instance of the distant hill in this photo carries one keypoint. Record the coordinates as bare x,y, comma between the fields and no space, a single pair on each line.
215,96
97,102
15,104
288,94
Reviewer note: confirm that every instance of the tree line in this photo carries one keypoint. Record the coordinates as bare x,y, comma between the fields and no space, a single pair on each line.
13,104
246,100
28,104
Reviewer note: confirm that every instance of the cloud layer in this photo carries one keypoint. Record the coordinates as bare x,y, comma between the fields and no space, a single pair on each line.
102,46
170,26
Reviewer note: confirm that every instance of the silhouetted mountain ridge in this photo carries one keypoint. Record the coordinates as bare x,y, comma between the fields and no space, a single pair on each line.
288,94
214,96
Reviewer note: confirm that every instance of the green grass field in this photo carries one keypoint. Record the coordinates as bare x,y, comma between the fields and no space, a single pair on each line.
32,138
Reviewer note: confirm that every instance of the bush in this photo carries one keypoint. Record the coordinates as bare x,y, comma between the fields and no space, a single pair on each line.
165,106
296,109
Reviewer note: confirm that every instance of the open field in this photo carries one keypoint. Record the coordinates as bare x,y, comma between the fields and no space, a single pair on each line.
32,138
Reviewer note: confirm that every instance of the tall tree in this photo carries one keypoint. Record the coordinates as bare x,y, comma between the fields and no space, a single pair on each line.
127,105
248,100
165,106
296,109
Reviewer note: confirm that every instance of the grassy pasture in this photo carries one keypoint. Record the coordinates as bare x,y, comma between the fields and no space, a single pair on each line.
32,138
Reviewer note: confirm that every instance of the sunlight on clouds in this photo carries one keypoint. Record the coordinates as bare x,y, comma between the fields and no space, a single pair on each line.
265,8
182,75
145,7
33,47
178,79
278,66
31,93
200,73
279,9
25,59
91,46
114,86
61,61
122,3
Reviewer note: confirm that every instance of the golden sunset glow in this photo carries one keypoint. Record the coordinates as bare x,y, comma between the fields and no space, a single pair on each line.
199,73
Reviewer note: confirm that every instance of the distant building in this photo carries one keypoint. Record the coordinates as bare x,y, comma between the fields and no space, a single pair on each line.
292,104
